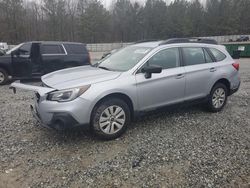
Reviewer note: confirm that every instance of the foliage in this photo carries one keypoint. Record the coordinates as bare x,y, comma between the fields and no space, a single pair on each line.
90,22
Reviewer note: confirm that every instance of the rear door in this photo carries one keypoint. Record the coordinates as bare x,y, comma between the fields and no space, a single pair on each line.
77,55
199,68
21,61
165,88
53,56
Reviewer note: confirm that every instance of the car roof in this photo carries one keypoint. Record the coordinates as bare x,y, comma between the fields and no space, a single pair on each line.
176,42
152,44
55,42
155,44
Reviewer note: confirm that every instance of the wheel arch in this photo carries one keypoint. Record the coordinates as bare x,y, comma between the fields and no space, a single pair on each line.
6,69
225,82
118,95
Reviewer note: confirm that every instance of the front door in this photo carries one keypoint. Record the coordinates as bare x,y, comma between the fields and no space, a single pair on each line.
21,61
165,88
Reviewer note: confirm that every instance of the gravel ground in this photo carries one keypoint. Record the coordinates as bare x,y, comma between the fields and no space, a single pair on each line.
185,147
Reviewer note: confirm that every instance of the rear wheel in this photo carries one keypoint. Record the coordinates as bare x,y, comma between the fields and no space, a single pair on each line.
3,76
110,119
217,98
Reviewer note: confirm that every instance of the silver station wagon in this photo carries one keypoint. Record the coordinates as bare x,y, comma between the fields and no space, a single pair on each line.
141,77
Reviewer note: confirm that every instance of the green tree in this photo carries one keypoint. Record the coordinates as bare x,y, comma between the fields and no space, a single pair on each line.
122,20
12,14
176,19
94,23
195,19
154,19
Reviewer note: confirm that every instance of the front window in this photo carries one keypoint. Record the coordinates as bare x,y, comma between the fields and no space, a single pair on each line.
24,49
14,49
168,58
124,59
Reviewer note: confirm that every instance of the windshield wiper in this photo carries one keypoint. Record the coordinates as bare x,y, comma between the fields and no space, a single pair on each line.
105,68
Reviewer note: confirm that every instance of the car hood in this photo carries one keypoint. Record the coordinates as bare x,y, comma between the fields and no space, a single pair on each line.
78,76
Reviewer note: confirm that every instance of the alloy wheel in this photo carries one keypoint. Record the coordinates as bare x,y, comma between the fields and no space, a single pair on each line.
112,119
219,98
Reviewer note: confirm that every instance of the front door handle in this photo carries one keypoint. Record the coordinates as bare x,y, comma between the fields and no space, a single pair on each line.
179,76
213,69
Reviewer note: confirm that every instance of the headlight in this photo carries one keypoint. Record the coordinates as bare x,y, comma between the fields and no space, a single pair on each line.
67,95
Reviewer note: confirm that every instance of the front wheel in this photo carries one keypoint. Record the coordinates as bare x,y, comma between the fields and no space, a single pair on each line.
110,119
3,76
217,98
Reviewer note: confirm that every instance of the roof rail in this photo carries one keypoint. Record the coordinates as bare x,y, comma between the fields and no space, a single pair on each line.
189,40
145,40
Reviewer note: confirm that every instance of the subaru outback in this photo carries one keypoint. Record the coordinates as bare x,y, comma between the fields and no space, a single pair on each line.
138,78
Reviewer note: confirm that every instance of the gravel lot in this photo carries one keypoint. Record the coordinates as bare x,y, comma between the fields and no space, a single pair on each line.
185,147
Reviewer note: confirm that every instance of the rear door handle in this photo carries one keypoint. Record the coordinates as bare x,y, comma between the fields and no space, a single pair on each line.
179,76
213,69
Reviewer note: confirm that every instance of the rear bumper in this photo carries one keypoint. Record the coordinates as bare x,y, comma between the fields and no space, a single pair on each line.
234,90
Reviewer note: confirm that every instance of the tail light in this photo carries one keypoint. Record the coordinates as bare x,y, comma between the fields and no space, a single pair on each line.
236,65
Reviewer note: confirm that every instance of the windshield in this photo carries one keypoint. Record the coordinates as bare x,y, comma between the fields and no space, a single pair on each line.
124,59
13,49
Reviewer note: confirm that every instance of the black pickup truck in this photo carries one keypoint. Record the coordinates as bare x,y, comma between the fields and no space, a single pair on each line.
34,59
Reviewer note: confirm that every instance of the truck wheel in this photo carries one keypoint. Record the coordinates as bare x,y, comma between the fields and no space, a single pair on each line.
110,119
217,98
3,76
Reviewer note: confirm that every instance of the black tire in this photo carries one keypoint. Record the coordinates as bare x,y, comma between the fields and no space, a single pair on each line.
210,104
4,76
98,112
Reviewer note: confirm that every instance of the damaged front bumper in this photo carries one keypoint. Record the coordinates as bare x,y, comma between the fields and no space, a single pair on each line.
56,115
59,121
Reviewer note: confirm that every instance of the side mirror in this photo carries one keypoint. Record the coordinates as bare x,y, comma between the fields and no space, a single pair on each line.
149,70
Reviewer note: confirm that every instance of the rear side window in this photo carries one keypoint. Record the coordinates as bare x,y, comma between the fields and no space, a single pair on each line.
75,49
193,56
219,56
52,49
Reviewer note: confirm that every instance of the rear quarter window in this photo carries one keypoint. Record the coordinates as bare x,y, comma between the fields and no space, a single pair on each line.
219,56
75,49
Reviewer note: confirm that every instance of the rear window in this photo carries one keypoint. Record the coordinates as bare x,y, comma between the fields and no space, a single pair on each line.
219,56
52,49
75,48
